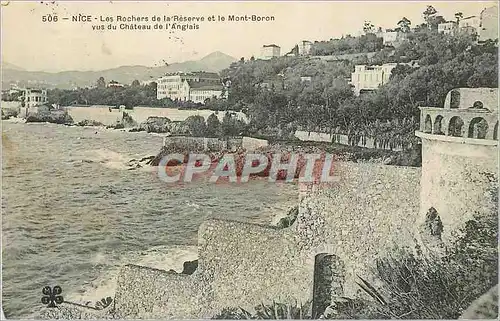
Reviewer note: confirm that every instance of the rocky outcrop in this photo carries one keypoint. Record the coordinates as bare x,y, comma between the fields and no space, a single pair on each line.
127,121
44,114
138,163
156,124
87,122
179,128
9,112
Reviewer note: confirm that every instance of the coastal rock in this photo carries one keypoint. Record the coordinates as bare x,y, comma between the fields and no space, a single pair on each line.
9,112
87,122
44,114
156,124
127,121
190,267
179,128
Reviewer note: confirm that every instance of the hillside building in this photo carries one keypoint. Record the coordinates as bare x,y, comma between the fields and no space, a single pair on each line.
367,78
447,27
304,48
270,51
394,38
470,25
489,24
35,97
195,87
115,84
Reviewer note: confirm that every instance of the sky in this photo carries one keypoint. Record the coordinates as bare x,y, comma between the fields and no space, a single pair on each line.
34,45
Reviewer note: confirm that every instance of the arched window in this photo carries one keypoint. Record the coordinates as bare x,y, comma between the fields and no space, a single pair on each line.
455,127
454,99
477,105
437,125
428,124
495,132
478,128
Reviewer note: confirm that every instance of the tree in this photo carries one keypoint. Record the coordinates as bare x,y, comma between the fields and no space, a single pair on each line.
101,83
213,126
136,83
429,12
404,24
196,125
458,16
368,27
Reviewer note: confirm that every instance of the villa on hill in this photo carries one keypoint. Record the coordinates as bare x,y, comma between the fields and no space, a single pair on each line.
196,86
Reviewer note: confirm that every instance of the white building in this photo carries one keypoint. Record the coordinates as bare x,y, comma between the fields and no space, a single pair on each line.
113,83
393,37
470,24
447,27
304,47
270,51
370,77
195,87
489,24
35,97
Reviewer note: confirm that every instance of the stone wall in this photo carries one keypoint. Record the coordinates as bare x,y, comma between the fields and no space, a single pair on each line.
194,143
243,265
250,143
369,210
339,138
155,294
212,144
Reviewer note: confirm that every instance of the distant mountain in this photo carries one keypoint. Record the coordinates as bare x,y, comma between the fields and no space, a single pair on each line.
6,65
214,62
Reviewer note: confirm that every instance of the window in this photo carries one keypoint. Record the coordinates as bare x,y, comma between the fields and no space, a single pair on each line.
437,125
478,128
428,124
454,99
455,127
477,105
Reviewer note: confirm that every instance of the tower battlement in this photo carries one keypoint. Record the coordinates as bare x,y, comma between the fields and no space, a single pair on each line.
459,158
468,113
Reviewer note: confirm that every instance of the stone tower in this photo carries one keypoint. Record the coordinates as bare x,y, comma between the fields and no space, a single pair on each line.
459,159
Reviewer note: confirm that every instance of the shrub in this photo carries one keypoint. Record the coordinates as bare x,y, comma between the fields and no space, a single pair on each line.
427,287
272,311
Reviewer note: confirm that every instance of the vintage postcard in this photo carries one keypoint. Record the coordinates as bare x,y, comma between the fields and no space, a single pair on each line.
249,160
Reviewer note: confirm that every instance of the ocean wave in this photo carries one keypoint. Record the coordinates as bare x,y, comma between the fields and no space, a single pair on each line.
170,257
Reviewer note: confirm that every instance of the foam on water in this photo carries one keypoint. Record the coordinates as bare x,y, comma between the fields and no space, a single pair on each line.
161,257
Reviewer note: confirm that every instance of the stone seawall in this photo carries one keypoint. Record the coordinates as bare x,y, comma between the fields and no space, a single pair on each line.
148,293
188,143
243,265
339,231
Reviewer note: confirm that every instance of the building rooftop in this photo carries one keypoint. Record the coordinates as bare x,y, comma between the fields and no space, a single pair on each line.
204,85
271,45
